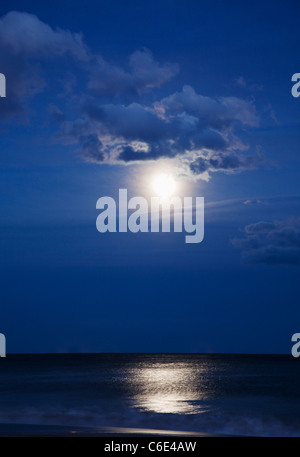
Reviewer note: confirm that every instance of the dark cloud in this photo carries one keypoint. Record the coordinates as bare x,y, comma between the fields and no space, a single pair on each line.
216,113
133,122
271,242
226,162
144,73
91,147
71,132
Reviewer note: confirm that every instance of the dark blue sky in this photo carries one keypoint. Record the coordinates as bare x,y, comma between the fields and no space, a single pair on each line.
205,86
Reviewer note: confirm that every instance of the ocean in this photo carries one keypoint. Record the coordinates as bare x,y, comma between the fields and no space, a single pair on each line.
249,395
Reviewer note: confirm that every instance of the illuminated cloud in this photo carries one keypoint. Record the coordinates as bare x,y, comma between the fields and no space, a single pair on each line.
118,118
195,130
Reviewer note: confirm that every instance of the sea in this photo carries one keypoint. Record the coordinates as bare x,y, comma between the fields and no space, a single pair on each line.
244,395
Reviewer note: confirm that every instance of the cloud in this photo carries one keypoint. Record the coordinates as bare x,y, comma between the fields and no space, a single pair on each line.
56,113
24,39
132,122
91,145
241,81
260,227
117,118
144,73
224,161
24,34
271,242
216,113
253,201
196,130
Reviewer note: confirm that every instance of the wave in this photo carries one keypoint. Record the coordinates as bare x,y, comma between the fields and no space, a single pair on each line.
211,423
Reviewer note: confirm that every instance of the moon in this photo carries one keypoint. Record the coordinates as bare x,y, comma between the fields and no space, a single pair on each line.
164,185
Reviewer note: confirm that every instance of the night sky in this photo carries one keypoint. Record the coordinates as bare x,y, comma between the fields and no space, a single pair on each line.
103,95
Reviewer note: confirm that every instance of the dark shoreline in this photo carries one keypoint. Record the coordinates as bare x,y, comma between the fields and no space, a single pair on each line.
37,430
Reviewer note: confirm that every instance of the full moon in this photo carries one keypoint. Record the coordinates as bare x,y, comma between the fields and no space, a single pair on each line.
164,185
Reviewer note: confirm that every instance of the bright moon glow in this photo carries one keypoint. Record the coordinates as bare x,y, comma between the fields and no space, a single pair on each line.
164,185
